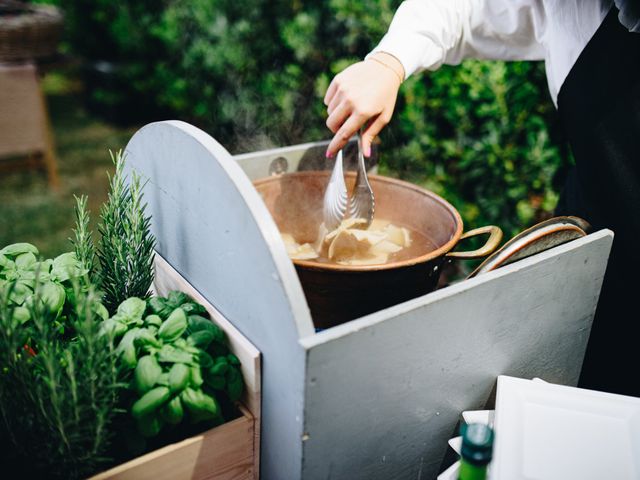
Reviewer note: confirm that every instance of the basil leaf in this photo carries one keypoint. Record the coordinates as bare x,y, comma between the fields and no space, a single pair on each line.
21,314
53,296
132,308
25,261
16,249
101,310
170,354
19,293
192,308
66,266
177,298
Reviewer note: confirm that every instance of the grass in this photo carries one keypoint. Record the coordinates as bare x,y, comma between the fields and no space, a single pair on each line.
29,210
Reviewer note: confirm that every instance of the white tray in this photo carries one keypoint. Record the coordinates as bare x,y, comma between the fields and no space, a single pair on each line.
547,431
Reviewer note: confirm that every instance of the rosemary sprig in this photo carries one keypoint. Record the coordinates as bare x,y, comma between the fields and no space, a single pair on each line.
15,376
58,397
83,239
126,245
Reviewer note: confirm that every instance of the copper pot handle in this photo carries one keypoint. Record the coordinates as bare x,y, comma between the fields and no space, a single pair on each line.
492,243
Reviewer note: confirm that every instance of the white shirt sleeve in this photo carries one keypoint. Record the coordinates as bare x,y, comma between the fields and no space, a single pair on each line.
424,34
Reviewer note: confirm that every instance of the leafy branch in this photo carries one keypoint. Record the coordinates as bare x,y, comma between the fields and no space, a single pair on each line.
126,245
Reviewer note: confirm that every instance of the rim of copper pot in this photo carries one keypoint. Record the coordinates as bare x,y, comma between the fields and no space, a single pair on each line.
384,266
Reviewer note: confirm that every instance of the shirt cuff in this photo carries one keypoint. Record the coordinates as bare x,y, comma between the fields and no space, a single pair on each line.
414,51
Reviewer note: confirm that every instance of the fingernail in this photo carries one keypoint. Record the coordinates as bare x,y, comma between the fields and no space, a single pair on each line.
367,151
328,154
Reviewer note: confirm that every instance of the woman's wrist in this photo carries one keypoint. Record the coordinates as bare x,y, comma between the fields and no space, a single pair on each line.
390,62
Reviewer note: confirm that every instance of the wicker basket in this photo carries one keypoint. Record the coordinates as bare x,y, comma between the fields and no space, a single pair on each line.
31,32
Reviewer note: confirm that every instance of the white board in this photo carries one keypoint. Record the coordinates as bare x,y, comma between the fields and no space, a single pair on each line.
384,393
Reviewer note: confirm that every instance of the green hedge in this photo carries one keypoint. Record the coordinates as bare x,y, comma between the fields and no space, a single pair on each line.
253,74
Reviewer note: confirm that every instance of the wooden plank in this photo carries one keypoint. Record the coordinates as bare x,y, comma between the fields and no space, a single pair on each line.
49,153
305,156
213,228
167,279
384,393
222,453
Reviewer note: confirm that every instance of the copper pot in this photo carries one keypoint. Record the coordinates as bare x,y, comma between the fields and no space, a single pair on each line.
338,293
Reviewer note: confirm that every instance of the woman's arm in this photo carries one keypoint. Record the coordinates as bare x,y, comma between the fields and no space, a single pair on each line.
423,35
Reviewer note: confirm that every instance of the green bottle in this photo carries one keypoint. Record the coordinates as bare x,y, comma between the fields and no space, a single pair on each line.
475,455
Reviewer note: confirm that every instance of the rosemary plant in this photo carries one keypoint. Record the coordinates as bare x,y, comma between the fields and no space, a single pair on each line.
83,239
126,245
14,379
58,397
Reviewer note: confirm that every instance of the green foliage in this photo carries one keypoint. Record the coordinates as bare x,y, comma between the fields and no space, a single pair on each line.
85,249
51,281
254,73
58,396
479,135
126,244
179,364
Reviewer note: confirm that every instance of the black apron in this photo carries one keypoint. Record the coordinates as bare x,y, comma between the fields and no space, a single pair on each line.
599,106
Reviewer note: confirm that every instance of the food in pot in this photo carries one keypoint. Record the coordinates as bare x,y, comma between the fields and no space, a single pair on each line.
297,251
352,244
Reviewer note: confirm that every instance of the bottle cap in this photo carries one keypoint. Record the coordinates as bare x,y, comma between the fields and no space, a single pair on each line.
477,443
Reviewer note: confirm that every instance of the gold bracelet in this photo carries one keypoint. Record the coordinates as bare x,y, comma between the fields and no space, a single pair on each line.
388,66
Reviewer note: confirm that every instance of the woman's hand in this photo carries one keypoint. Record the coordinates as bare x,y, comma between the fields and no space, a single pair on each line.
363,92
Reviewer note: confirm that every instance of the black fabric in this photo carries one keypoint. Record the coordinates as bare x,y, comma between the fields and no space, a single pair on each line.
629,15
599,106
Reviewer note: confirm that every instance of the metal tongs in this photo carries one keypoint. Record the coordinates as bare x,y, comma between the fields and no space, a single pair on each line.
336,200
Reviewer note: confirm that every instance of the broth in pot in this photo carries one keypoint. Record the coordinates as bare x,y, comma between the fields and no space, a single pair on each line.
352,244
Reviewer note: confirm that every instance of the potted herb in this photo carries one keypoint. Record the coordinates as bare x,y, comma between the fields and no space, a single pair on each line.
94,371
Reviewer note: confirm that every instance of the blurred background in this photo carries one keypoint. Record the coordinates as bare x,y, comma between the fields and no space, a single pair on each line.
252,74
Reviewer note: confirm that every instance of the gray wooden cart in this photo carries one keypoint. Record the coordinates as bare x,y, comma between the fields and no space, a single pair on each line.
377,397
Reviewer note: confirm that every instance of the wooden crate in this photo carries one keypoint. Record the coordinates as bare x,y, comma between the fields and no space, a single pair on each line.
230,451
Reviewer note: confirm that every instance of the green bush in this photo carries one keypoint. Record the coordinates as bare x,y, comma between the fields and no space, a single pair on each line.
479,134
253,74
